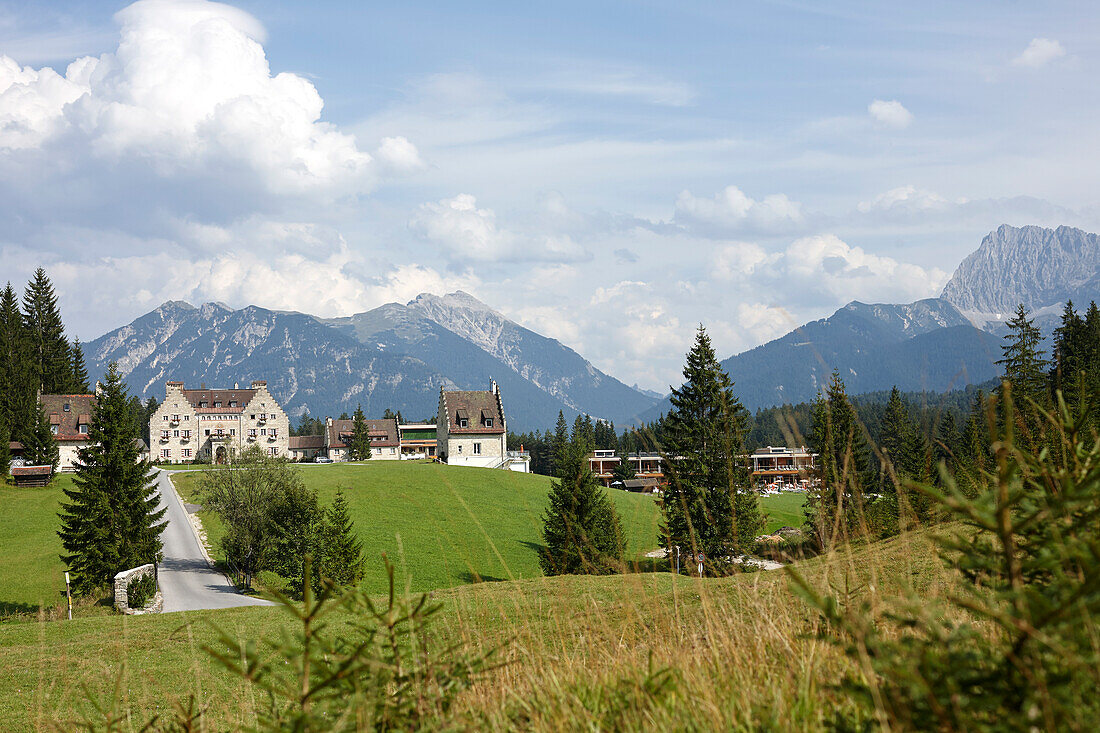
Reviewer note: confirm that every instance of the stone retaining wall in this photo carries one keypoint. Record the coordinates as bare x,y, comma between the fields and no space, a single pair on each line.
122,583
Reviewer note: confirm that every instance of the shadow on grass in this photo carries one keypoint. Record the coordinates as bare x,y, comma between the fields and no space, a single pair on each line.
473,577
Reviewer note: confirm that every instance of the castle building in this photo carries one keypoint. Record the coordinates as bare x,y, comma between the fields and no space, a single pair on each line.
471,431
217,424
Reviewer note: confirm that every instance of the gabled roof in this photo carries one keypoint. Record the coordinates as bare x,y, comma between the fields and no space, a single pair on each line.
339,433
476,407
241,396
68,422
303,442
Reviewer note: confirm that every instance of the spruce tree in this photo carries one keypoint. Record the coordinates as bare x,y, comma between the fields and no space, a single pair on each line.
5,451
111,521
624,470
49,348
359,449
39,446
903,459
17,394
973,458
836,505
559,444
1026,370
708,505
79,371
581,531
339,550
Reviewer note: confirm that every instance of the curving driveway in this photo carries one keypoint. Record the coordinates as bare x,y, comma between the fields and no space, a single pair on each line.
188,582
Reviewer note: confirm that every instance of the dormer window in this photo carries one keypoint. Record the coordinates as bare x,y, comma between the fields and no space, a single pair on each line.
463,422
68,407
488,422
204,404
232,403
53,429
217,404
83,429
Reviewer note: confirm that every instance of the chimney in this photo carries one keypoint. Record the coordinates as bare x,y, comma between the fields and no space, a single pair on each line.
236,385
328,422
257,383
202,385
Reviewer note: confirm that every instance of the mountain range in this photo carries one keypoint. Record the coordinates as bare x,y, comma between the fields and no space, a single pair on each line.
398,356
395,356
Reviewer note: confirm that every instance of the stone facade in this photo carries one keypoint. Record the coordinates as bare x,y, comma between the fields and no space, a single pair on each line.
217,424
470,428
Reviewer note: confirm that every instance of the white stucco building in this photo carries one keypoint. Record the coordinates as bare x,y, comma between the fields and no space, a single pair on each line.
471,431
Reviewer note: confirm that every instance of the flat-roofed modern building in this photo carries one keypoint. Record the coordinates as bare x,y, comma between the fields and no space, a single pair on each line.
418,440
781,467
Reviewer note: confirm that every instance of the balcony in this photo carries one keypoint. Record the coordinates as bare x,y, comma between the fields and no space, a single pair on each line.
251,438
271,438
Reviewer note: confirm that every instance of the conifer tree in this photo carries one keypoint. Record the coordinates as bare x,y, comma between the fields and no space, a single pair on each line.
581,530
624,470
5,451
1026,369
111,521
948,441
837,502
359,449
339,550
559,444
17,383
78,370
972,460
48,345
708,505
903,459
39,446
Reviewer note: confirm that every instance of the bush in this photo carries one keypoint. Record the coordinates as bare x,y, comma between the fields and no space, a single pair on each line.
140,591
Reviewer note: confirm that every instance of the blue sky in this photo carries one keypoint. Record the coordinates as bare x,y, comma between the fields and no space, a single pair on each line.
609,174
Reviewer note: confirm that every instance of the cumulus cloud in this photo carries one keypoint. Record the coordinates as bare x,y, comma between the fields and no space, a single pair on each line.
731,210
187,93
1040,52
904,198
466,233
823,271
890,113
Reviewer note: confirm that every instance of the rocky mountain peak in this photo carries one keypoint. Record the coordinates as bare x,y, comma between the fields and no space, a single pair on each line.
1033,265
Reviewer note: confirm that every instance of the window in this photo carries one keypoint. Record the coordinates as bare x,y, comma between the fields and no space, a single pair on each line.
165,418
477,449
232,431
53,429
252,433
165,453
175,433
186,433
392,451
83,429
274,433
204,404
217,403
463,422
263,431
488,422
208,432
68,407
460,449
273,451
186,452
251,417
164,434
187,418
377,451
232,403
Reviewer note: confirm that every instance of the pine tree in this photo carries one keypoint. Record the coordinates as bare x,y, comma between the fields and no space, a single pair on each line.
5,451
359,449
836,506
948,443
39,446
79,371
17,393
559,444
1070,358
972,459
1026,369
339,550
581,530
708,505
624,470
903,459
50,351
111,521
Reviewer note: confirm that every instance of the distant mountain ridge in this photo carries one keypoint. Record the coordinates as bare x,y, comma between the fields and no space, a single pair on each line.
394,356
935,344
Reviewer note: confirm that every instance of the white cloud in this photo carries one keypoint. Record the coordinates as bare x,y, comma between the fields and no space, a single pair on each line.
399,155
904,198
1039,52
890,113
731,210
188,93
466,233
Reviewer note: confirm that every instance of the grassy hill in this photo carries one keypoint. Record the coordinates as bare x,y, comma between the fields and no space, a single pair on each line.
445,525
741,650
31,573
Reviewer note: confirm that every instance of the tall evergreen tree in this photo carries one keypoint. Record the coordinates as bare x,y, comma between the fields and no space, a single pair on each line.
581,531
903,459
49,348
1025,369
339,551
708,505
360,449
39,446
17,393
5,452
111,521
78,370
559,444
836,505
624,470
972,459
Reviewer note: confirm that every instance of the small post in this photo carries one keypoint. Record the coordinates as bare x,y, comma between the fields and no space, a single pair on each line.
68,595
677,559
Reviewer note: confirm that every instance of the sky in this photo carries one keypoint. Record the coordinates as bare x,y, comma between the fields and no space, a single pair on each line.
608,174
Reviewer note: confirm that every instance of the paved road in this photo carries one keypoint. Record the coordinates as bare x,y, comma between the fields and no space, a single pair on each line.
187,580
